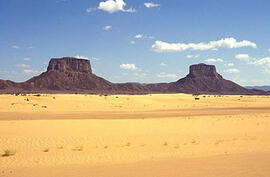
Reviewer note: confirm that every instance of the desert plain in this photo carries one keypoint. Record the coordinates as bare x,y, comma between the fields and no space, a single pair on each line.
153,135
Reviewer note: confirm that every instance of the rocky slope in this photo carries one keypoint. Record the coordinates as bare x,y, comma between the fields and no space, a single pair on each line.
68,75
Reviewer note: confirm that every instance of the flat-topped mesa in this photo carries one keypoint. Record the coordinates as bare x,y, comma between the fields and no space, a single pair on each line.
203,70
70,64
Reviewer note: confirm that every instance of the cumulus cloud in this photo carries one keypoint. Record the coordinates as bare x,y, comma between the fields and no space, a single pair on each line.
232,70
108,27
213,60
15,47
81,57
229,64
150,5
163,64
112,6
166,75
30,71
244,57
23,65
138,36
128,67
228,43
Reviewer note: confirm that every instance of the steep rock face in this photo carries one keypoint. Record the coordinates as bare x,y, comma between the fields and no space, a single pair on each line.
203,70
69,64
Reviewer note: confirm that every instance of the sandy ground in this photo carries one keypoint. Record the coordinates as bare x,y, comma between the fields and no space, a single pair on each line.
141,135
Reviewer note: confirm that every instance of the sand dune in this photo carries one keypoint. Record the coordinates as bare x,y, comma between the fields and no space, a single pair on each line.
145,135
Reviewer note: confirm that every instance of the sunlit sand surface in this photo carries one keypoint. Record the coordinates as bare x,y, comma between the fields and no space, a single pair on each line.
167,135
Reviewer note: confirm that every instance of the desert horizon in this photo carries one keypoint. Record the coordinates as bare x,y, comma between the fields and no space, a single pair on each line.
75,75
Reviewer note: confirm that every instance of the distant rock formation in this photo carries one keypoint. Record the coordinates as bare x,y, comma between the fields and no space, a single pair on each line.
265,88
203,78
69,75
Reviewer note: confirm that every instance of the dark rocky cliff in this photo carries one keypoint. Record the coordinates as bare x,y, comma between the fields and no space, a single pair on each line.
203,70
69,64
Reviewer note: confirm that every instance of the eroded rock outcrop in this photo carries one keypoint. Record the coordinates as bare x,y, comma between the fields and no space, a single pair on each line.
69,64
70,74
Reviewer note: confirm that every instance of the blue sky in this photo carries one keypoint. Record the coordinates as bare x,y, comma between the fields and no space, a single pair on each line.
138,41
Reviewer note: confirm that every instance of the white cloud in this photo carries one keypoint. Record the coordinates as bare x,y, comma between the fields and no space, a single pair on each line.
163,64
130,10
30,71
244,57
138,36
81,57
23,65
189,56
264,63
89,10
232,70
229,43
229,64
27,59
112,6
108,27
128,67
150,5
166,75
213,60
193,56
15,47
132,42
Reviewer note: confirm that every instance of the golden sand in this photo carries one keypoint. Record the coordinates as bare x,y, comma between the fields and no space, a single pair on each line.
135,135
